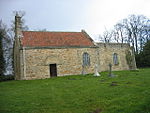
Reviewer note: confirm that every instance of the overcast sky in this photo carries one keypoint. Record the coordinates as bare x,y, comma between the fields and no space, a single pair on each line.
73,15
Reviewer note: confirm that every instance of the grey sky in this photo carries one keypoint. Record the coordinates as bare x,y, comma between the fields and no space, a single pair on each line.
73,15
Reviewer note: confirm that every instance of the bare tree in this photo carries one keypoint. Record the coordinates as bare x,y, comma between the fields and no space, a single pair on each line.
119,33
22,22
138,25
134,30
106,37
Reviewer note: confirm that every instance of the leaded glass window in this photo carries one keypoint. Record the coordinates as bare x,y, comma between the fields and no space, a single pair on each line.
86,59
115,58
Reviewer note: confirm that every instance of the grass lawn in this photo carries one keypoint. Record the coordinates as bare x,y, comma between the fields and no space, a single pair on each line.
129,92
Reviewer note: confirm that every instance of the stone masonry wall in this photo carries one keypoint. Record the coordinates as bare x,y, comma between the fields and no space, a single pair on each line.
106,52
69,61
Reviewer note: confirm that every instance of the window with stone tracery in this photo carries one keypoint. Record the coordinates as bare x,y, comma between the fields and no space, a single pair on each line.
86,59
115,59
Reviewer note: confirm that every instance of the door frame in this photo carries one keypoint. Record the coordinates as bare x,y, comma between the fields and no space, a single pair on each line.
53,70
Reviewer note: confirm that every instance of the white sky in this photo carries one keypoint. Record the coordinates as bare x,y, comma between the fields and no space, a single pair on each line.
73,15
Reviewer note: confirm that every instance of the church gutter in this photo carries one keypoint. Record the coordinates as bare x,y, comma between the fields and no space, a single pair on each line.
57,47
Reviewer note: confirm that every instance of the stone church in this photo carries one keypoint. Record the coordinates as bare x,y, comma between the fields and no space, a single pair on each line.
39,55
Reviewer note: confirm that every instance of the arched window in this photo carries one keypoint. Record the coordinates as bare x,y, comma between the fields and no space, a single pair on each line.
86,59
115,58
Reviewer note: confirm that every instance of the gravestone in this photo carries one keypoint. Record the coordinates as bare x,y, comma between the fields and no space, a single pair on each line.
96,71
110,71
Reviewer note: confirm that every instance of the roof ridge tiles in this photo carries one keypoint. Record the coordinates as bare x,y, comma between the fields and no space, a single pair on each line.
55,31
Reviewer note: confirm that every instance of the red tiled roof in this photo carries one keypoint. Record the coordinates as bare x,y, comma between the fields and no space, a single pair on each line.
44,39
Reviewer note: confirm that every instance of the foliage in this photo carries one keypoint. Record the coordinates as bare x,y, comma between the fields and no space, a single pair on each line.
6,49
2,61
129,92
143,58
6,77
129,59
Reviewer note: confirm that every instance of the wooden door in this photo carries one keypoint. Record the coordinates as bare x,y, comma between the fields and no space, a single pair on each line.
53,70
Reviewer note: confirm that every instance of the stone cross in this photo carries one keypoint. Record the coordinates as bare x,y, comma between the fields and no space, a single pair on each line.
96,71
110,70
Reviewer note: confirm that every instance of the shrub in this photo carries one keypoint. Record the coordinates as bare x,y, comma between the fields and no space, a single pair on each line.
6,77
143,58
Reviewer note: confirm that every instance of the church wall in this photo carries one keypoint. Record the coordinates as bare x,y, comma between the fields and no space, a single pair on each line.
69,61
106,52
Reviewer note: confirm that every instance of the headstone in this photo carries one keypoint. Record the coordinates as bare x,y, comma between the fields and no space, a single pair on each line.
96,71
110,71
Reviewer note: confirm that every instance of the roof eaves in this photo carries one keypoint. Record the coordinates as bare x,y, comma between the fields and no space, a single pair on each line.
58,47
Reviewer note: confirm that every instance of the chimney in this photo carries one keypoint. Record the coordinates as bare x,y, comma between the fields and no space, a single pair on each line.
17,26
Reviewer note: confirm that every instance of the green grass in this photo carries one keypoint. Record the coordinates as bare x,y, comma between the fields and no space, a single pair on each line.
79,94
